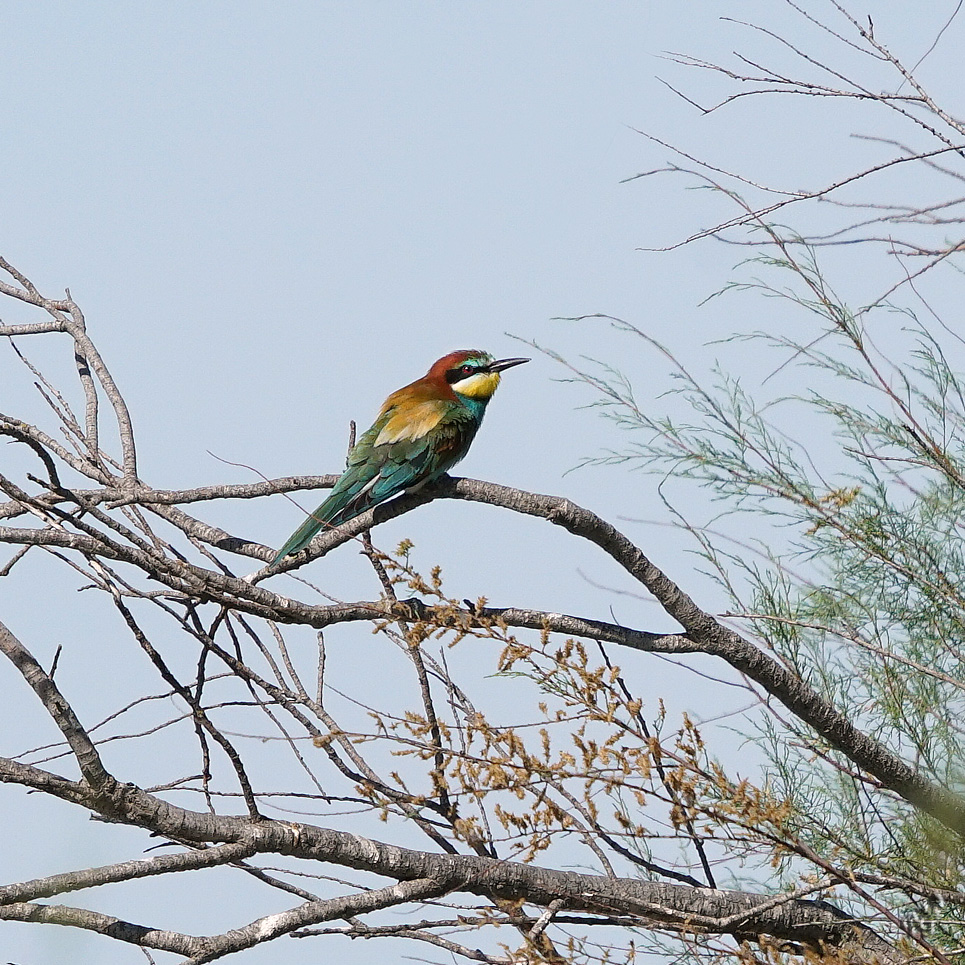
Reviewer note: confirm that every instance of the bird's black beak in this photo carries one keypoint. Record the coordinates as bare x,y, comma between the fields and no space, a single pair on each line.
501,364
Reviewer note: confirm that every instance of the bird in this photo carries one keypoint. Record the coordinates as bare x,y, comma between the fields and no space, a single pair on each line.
421,432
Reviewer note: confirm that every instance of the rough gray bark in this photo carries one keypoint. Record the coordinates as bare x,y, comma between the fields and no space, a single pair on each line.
111,521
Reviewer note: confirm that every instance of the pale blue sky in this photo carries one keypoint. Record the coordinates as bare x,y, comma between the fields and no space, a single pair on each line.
275,214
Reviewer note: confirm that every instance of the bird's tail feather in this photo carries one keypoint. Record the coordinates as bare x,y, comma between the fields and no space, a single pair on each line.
302,536
343,504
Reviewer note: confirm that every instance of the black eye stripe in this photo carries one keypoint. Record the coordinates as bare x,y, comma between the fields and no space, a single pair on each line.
461,372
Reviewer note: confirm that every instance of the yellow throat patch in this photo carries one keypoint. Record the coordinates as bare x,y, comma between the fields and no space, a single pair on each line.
482,385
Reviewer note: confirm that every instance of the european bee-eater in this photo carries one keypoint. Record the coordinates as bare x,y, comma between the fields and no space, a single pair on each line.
421,432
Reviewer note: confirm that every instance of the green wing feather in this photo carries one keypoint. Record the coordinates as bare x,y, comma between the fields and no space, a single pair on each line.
377,472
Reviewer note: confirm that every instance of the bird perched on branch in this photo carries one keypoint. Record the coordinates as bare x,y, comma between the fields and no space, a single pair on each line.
421,432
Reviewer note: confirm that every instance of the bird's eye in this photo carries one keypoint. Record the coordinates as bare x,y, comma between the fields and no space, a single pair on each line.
467,370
